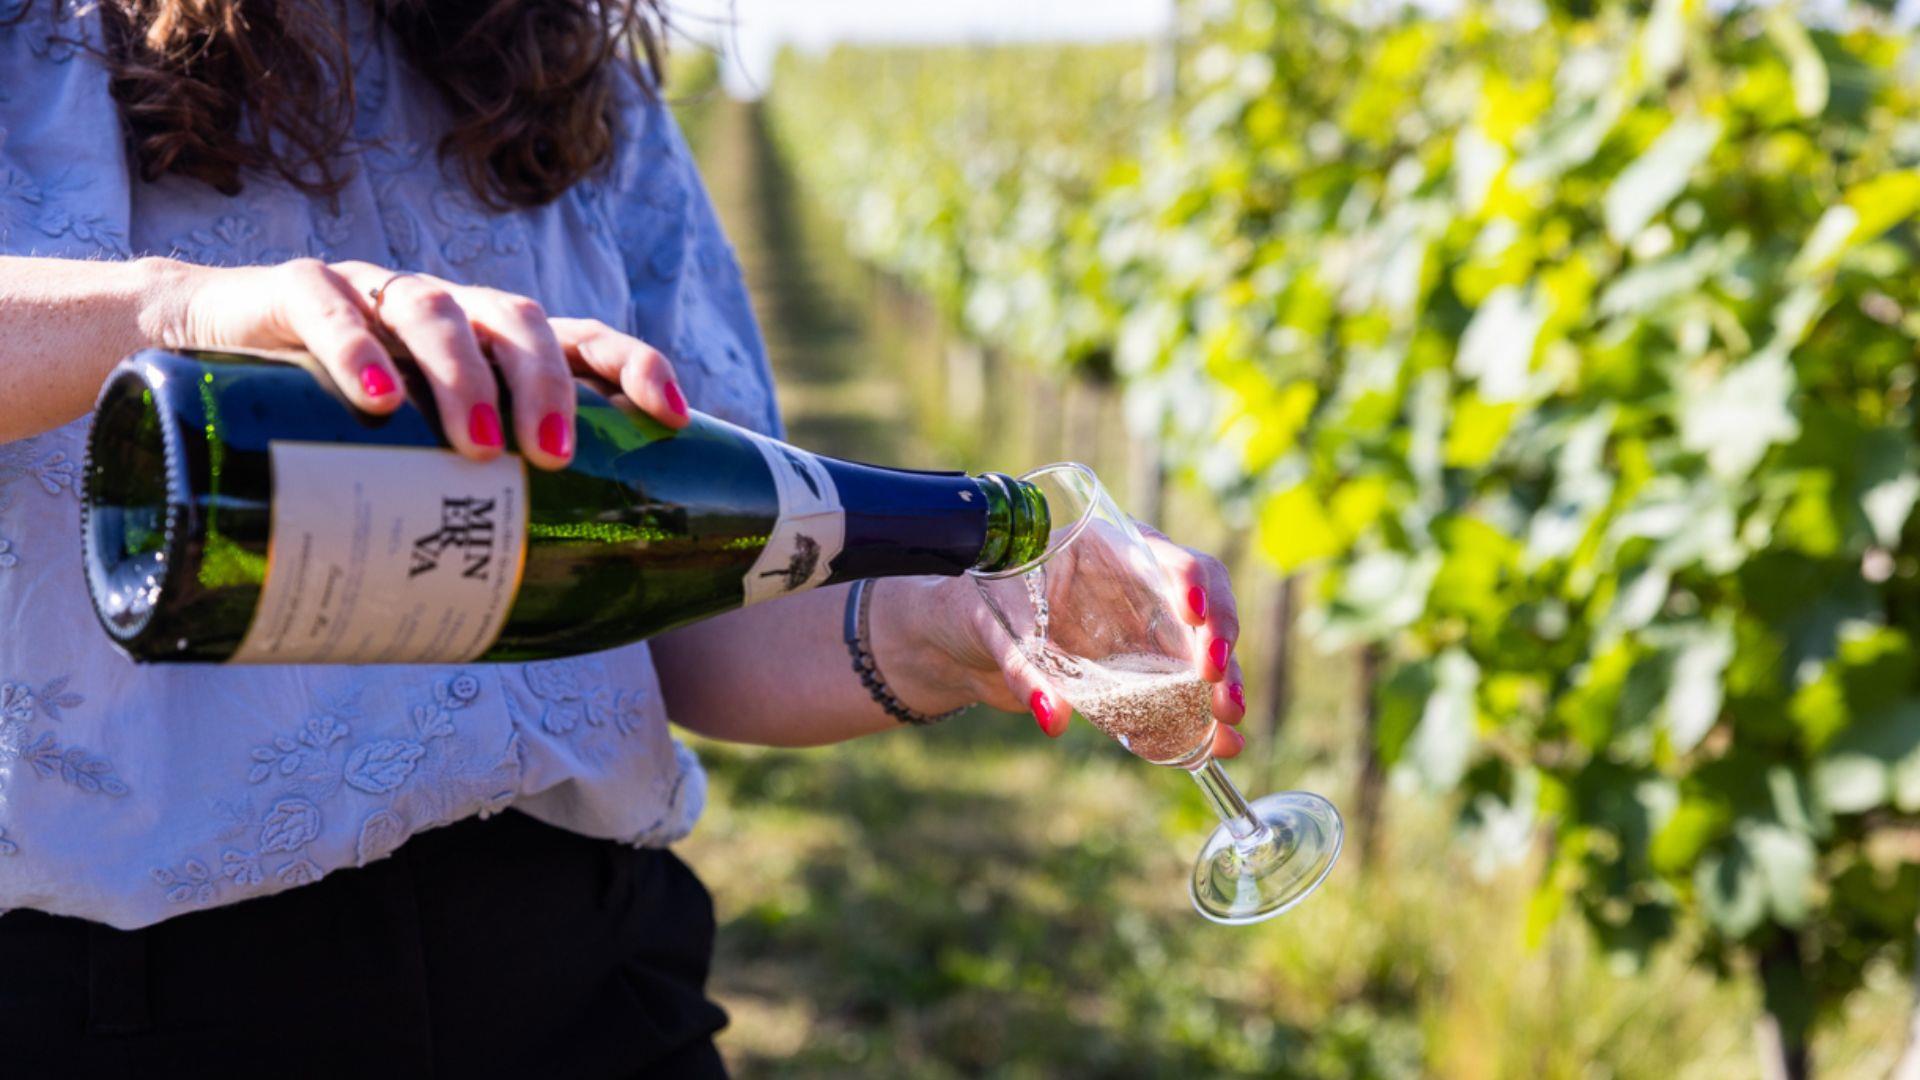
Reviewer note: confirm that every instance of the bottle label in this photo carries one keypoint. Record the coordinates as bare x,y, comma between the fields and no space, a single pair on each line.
811,530
400,555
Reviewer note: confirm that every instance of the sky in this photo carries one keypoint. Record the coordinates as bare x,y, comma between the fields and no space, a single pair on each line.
760,27
752,31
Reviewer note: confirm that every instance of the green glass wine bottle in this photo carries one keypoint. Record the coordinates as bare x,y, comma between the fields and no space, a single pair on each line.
237,509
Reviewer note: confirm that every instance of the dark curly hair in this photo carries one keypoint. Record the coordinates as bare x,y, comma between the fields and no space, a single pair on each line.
211,89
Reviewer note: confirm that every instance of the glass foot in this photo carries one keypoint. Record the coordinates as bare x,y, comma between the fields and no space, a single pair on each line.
1237,887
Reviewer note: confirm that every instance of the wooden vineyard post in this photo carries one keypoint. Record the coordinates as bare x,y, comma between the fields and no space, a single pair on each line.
1146,480
1276,672
1046,426
966,382
1372,782
1781,1032
1081,422
1908,1067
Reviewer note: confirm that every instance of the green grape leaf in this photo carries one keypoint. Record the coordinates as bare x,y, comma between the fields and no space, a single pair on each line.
1477,555
1794,804
1582,486
1735,418
1904,780
1694,691
1889,483
1858,771
1827,241
1497,347
1295,530
1808,70
1642,592
1475,432
1377,594
1883,201
1663,40
1851,783
1732,894
1400,699
1695,823
1438,750
1658,176
1784,859
1629,944
1499,831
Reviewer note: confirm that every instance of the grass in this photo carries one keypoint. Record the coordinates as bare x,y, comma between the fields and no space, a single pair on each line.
975,899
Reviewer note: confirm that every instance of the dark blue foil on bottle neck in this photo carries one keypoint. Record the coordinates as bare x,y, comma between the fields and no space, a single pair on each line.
900,522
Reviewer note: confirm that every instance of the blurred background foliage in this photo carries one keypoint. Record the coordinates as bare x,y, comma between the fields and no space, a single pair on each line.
1549,373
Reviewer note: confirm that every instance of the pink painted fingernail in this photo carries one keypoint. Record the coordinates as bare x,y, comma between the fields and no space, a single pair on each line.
375,381
483,425
1239,742
556,435
1197,600
1042,712
1220,652
1238,695
675,399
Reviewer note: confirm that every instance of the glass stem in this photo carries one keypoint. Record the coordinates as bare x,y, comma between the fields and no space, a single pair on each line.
1247,831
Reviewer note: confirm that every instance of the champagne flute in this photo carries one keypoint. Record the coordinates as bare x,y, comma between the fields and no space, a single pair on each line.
1093,615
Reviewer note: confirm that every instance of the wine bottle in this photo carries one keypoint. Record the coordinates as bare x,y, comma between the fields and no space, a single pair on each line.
237,509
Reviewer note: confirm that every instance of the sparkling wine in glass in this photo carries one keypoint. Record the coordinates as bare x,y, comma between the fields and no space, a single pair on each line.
1094,615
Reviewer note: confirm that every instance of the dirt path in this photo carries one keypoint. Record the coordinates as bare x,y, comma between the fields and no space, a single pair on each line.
837,387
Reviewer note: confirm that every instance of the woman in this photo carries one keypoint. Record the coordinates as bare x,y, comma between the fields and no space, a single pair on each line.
496,185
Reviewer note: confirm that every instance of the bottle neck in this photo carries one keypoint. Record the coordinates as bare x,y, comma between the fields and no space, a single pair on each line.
1018,524
900,522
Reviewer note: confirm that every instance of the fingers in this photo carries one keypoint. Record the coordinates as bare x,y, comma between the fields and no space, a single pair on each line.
1230,696
514,330
1049,710
1227,742
329,318
641,372
1025,686
1186,577
1203,595
422,314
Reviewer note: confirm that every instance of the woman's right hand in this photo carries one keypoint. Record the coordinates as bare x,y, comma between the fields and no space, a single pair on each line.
458,335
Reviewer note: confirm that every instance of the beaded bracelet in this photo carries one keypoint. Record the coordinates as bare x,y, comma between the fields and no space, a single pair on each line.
859,600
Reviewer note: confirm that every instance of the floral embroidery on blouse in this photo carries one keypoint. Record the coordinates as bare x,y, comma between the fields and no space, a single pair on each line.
566,700
471,232
55,208
20,705
313,764
53,471
226,242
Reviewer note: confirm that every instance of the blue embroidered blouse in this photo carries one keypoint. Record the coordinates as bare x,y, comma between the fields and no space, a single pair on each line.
130,794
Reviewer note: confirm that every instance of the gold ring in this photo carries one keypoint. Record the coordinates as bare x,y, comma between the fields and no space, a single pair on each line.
380,293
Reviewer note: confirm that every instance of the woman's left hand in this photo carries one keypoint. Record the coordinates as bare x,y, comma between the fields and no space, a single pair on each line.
468,342
966,656
1203,595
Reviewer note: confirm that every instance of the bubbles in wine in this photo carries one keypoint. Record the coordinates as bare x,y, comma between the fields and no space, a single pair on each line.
1156,706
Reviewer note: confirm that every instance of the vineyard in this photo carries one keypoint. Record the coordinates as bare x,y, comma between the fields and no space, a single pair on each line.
1571,368
1561,377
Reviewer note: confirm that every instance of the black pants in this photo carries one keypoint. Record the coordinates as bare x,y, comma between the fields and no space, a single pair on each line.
499,948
